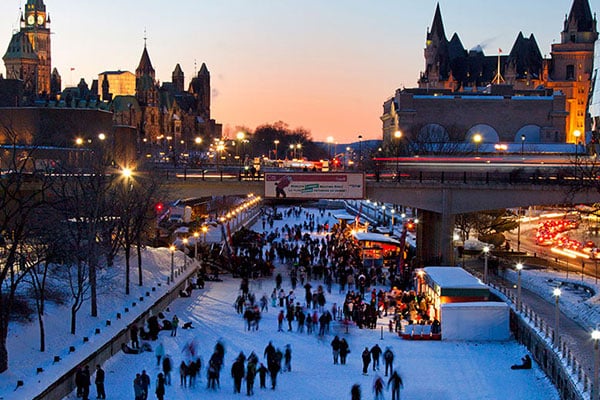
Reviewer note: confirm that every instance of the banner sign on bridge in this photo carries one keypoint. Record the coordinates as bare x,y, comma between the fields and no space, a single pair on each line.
309,185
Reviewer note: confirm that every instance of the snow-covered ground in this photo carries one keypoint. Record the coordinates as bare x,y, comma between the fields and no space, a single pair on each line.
444,370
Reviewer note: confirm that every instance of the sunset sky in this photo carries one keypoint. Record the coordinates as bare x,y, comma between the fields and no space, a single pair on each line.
325,65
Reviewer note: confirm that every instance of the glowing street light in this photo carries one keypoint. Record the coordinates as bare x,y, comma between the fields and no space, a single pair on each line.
204,230
556,294
519,268
577,134
522,144
101,136
477,140
126,172
196,236
79,141
398,136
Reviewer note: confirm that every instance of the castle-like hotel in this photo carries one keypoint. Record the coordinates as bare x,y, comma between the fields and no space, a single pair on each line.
517,96
32,101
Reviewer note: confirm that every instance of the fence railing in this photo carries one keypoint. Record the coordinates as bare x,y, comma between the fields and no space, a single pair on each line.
558,362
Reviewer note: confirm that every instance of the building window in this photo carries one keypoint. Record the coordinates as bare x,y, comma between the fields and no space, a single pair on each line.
570,72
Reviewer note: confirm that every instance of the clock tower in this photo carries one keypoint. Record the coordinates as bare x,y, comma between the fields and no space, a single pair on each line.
36,27
29,54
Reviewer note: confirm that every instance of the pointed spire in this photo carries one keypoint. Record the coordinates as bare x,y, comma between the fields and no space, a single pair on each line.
203,70
437,26
145,66
177,71
580,18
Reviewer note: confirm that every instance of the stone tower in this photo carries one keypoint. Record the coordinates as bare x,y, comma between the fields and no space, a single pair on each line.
30,48
178,79
570,67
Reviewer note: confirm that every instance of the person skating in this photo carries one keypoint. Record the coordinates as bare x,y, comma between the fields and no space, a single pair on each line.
388,356
262,373
375,353
138,390
145,379
287,356
366,360
159,352
396,382
344,350
99,381
85,383
335,348
166,367
378,386
237,373
174,324
355,392
250,375
160,386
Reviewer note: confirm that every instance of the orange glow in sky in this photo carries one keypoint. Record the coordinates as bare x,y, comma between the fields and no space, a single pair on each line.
325,65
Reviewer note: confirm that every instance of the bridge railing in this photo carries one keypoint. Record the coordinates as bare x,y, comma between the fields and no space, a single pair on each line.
560,176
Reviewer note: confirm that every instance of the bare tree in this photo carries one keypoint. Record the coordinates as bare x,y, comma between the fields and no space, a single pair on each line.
21,192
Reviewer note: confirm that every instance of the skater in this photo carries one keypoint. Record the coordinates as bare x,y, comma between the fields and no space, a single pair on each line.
160,386
396,383
366,359
378,388
262,373
280,317
159,352
138,390
250,375
388,356
166,367
355,392
174,323
133,333
145,381
237,373
287,356
344,350
335,348
375,353
99,381
85,383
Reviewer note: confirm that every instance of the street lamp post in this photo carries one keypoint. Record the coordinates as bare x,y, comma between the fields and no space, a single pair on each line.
359,151
185,243
519,268
477,139
486,252
522,145
204,230
292,151
577,134
595,338
196,237
557,294
276,142
392,212
383,212
398,136
172,248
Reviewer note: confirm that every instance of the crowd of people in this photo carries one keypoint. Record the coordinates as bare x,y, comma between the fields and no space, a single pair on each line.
306,262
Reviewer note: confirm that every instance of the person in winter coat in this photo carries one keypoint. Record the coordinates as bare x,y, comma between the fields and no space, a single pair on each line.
133,334
280,317
378,386
138,390
388,356
375,353
366,360
174,324
99,381
145,379
396,382
183,373
237,373
344,350
159,352
85,383
250,375
287,356
262,373
160,386
166,367
335,348
355,392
